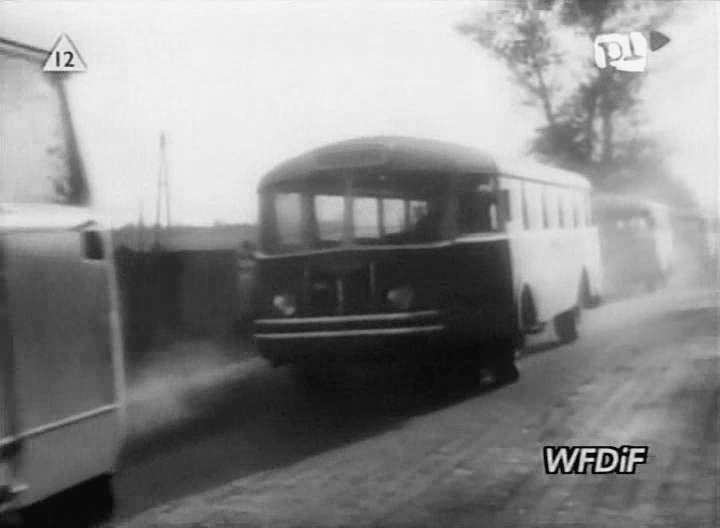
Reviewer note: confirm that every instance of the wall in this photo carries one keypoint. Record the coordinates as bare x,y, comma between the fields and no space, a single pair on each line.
174,294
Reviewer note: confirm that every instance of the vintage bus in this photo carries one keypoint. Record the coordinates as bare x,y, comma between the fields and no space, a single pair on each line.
636,241
375,248
61,358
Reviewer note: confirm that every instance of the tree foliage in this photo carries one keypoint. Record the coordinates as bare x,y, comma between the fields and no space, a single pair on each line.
592,117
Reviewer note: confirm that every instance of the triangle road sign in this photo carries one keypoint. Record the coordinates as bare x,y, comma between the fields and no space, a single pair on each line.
64,57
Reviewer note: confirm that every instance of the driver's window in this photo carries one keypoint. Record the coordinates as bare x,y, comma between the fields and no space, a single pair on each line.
477,212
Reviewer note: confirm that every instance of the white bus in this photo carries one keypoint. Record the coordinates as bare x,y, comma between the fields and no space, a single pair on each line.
636,240
61,357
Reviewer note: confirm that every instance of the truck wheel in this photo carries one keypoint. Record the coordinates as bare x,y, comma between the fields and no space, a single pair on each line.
566,325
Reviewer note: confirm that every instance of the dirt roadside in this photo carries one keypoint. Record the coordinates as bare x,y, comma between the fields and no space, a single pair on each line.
634,379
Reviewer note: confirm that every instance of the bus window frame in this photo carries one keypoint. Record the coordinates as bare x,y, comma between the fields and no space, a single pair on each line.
510,205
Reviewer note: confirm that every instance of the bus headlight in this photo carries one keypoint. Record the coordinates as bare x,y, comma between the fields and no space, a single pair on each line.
285,304
401,298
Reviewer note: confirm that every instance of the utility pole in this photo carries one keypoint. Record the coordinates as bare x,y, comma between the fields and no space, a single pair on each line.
163,193
141,225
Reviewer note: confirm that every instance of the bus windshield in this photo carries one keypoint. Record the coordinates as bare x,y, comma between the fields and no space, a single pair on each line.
330,210
628,221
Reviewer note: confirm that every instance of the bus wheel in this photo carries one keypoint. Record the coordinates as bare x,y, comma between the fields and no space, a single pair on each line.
315,377
11,519
587,299
100,497
566,325
505,368
528,314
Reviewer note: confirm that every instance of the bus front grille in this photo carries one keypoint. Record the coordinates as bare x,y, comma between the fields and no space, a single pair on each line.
345,293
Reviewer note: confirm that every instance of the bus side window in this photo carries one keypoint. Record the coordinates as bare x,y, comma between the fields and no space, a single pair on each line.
577,209
516,220
550,208
588,212
516,206
567,209
532,193
562,223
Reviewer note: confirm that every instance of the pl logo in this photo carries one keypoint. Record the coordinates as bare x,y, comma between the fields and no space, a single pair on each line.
626,52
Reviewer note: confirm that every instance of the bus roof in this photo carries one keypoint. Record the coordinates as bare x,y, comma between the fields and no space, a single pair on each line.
527,169
412,154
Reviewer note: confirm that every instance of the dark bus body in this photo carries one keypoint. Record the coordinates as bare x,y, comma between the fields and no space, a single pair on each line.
392,248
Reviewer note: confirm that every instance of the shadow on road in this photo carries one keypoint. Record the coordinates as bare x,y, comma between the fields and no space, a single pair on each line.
539,348
256,420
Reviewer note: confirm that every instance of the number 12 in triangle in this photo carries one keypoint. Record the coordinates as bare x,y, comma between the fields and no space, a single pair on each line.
64,57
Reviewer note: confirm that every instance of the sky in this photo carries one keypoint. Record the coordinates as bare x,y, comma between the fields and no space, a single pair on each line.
241,86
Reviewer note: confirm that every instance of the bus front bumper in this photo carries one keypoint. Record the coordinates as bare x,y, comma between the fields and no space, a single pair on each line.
291,340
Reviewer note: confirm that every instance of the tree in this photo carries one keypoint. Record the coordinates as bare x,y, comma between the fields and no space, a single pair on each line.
592,117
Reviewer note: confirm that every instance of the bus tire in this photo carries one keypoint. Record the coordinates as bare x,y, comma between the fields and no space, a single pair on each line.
505,368
529,323
90,503
316,378
11,519
100,497
587,299
566,325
